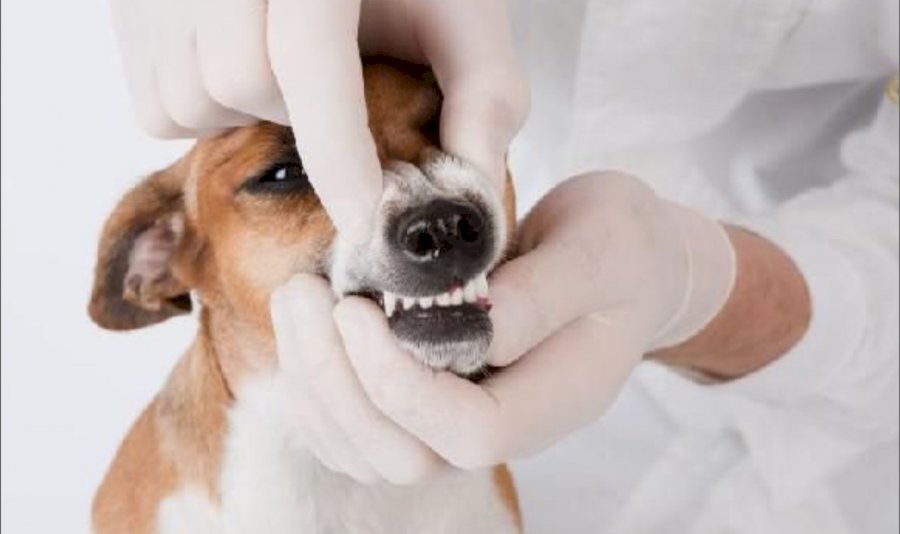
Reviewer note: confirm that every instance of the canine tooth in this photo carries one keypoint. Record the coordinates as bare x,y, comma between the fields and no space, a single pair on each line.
470,293
408,303
456,298
444,300
390,304
426,303
481,286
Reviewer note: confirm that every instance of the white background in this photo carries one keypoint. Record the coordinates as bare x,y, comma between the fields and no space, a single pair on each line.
70,148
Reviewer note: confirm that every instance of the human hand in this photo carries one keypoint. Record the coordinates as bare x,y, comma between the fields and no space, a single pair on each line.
608,272
197,67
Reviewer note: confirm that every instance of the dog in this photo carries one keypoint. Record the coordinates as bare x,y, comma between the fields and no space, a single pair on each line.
226,225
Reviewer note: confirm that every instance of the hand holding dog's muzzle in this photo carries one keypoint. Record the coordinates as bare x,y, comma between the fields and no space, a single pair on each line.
608,272
337,421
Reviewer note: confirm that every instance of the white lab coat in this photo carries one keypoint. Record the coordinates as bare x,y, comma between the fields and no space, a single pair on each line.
771,114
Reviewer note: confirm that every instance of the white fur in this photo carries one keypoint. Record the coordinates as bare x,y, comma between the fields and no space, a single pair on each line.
271,485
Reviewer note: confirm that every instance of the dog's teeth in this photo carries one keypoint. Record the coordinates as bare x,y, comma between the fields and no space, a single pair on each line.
481,287
408,303
457,297
470,293
390,304
426,303
444,300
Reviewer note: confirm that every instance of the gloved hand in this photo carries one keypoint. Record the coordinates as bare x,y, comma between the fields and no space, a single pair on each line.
608,272
196,67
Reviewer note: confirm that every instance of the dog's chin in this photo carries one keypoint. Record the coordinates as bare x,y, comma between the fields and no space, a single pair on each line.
446,339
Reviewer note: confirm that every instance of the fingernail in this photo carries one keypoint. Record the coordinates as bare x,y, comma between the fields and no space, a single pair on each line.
352,321
281,296
347,318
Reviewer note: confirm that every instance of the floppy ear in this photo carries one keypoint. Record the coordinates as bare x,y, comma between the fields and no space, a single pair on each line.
135,284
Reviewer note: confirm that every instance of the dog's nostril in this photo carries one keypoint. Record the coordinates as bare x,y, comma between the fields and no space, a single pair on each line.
419,241
442,228
469,227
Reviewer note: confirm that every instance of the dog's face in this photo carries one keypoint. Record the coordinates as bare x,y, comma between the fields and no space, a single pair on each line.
237,217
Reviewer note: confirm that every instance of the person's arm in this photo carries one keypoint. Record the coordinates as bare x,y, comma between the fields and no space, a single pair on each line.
767,313
844,239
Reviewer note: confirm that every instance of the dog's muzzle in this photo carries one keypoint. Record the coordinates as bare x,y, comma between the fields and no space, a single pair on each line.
440,231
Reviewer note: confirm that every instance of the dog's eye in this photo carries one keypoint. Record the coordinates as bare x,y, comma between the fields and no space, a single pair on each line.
281,178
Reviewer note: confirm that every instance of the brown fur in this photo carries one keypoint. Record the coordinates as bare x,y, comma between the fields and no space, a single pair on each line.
233,251
506,485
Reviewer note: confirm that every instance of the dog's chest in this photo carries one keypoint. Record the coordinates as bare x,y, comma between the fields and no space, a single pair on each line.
270,484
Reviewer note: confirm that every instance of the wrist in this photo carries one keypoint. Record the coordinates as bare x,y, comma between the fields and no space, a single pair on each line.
710,274
767,314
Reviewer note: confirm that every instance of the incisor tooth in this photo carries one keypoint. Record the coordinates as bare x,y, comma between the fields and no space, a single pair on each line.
481,286
456,298
470,293
408,303
426,303
444,300
390,304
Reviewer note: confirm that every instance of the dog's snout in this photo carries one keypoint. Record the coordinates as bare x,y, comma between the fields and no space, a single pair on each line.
446,238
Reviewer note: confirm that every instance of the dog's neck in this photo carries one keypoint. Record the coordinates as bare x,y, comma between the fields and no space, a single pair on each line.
205,384
240,348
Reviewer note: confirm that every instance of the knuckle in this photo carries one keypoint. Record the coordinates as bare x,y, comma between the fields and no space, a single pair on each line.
508,99
418,468
199,114
479,450
613,188
406,476
241,87
158,125
503,98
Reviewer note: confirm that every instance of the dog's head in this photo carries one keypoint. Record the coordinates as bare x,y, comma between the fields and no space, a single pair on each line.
237,217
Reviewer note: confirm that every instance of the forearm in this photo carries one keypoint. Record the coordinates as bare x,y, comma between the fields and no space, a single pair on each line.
767,313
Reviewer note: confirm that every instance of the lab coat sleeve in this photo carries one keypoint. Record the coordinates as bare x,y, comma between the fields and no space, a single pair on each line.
844,239
837,41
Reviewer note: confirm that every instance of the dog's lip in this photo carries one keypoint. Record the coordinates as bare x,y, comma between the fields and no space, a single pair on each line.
428,331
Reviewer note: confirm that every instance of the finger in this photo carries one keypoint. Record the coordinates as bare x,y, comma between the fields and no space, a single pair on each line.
234,59
300,411
564,384
559,276
343,455
321,434
181,86
391,451
316,61
138,60
470,47
531,299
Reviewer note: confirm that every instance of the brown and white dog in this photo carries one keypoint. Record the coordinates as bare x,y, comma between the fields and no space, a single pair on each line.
216,452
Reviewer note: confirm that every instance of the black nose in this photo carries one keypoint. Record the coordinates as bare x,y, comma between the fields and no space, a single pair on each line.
447,238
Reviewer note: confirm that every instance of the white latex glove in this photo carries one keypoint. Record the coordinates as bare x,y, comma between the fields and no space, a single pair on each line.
196,67
608,273
338,422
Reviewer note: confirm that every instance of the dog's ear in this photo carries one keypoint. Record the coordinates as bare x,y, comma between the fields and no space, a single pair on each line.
135,282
